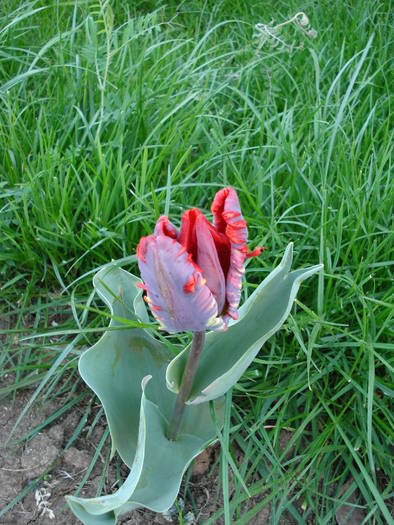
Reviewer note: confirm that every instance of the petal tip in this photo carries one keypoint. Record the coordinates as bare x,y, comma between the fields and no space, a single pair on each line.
142,247
165,227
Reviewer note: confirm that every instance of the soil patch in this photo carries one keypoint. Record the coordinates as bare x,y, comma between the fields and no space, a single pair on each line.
41,470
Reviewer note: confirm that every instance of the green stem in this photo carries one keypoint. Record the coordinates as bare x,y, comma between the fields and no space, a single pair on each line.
186,385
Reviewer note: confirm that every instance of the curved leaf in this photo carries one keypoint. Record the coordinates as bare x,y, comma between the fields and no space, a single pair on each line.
227,355
157,471
115,368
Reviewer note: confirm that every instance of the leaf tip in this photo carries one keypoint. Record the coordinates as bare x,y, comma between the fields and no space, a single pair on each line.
308,272
287,257
145,381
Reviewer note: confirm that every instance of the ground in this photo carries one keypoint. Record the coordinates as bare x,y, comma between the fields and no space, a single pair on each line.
21,464
61,472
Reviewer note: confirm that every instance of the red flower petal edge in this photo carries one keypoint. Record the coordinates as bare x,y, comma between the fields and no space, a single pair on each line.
193,278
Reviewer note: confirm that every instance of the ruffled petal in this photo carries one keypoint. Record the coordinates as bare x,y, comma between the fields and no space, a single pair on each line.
228,219
234,283
223,247
176,292
208,261
187,235
188,238
165,227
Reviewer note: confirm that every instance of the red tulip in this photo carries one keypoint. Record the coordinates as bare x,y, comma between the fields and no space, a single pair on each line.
193,278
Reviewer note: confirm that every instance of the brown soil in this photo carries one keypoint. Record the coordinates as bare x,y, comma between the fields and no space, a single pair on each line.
61,471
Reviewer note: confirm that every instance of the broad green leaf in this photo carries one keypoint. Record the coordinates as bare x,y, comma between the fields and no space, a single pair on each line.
115,368
157,471
227,355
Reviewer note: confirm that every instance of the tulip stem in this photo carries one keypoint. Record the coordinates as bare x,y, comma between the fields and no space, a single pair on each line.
186,385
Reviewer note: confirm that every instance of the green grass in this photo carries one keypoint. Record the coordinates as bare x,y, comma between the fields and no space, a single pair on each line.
111,117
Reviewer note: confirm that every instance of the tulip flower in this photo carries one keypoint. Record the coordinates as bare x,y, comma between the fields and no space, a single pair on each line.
193,277
181,270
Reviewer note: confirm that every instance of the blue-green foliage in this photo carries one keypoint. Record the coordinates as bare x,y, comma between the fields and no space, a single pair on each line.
126,369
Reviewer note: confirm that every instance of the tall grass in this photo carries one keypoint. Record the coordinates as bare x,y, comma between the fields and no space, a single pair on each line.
113,114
